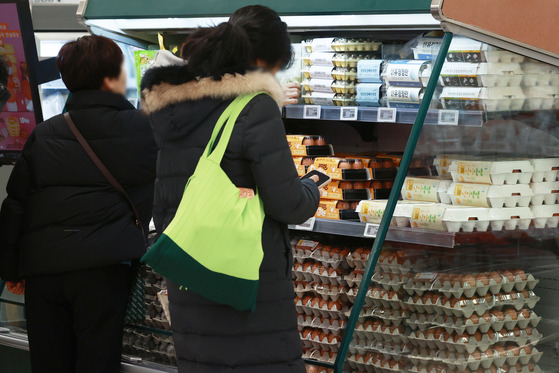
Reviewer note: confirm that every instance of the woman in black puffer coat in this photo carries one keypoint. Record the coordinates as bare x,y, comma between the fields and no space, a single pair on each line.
184,103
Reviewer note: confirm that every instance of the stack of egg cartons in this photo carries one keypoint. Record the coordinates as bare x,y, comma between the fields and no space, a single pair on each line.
330,71
478,76
321,302
545,188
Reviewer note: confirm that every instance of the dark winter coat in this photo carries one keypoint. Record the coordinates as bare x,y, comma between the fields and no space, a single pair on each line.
183,111
61,214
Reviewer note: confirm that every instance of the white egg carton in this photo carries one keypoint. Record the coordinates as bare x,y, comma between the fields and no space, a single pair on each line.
540,79
492,172
450,218
486,99
427,189
496,196
389,281
403,212
442,163
383,298
520,336
481,74
541,98
510,218
545,169
478,51
545,193
546,216
421,321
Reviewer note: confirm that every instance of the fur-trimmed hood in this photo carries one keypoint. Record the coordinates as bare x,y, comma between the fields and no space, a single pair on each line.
168,85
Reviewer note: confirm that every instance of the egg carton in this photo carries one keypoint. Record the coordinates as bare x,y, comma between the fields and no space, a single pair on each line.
303,275
390,316
464,308
304,248
546,216
381,297
517,300
403,267
419,356
541,98
323,356
304,321
331,292
389,281
462,361
412,287
521,356
334,278
418,339
466,343
483,286
427,189
462,325
420,321
496,173
324,311
354,278
545,169
481,74
300,258
420,306
442,163
358,260
510,218
378,366
327,346
437,368
545,193
496,196
450,218
520,336
333,261
391,350
332,326
382,332
302,287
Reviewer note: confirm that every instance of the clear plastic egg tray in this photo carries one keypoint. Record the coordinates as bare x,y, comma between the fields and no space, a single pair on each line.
546,216
545,193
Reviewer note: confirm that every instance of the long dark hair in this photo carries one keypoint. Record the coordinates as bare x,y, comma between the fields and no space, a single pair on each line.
215,51
267,33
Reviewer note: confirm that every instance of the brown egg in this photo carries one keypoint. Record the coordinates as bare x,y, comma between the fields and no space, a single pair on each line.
483,278
426,298
307,266
315,334
396,329
394,365
335,252
307,161
525,312
489,353
520,273
357,164
474,319
307,299
320,141
315,302
344,165
528,330
322,303
491,334
297,266
495,276
343,205
308,141
376,324
367,358
376,359
360,184
376,185
438,333
354,205
306,333
463,301
477,335
383,328
508,275
332,338
345,185
367,325
527,349
526,294
387,163
531,367
510,347
500,350
375,163
358,357
416,298
383,362
468,280
344,252
334,306
517,332
435,297
510,312
455,279
462,338
387,184
476,355
498,315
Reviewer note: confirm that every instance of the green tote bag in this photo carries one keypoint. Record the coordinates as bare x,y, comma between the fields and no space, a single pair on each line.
213,246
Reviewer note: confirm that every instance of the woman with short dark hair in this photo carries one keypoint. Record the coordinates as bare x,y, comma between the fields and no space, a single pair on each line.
184,102
69,238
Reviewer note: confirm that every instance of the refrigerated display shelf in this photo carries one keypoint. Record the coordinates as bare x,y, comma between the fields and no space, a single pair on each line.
403,116
431,237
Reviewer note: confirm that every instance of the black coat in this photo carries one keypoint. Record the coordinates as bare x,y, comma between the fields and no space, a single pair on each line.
61,214
183,111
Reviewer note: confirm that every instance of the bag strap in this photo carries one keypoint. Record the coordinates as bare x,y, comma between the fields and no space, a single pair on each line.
230,116
104,170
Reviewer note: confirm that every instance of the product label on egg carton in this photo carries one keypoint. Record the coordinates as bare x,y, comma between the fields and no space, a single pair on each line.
321,59
470,194
330,166
460,75
474,172
405,73
368,94
320,85
327,209
297,148
403,97
319,72
428,217
427,48
371,211
322,45
333,191
465,50
421,189
369,71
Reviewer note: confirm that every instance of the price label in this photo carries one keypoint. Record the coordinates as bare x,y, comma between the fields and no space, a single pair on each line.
349,113
371,230
385,114
426,276
448,117
311,112
306,226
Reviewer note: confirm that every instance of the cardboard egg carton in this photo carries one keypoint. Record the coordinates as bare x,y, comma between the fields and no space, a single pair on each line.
464,307
516,356
520,336
320,307
373,363
516,299
510,218
545,169
389,316
389,281
518,282
383,298
359,258
413,286
354,278
496,196
381,331
423,339
450,218
500,172
472,361
513,320
326,344
494,319
421,305
421,356
331,259
302,287
546,216
391,350
331,292
541,98
472,286
327,325
401,261
323,356
328,276
421,321
466,343
440,367
464,325
545,193
426,189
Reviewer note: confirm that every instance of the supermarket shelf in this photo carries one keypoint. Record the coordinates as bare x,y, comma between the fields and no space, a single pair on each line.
403,116
431,237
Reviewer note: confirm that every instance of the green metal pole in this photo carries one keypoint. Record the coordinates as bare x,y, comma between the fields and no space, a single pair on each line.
392,200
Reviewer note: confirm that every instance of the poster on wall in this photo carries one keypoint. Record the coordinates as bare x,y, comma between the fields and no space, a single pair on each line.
17,119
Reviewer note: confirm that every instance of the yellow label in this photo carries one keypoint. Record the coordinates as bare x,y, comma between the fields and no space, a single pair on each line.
470,195
328,210
428,217
372,211
329,166
332,191
474,172
420,189
296,145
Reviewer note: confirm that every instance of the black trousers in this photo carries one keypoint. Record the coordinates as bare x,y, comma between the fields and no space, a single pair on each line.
75,320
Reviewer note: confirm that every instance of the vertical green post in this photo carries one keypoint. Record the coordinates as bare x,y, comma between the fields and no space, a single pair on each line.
392,200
